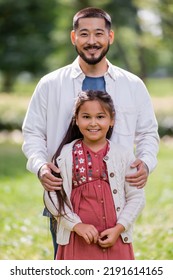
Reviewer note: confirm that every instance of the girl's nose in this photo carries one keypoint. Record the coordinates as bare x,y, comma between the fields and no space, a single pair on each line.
93,122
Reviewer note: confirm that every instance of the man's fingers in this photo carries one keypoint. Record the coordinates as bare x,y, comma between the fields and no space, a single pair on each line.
50,182
136,163
50,189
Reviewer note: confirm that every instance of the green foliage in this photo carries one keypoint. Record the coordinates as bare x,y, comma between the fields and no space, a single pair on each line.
35,34
25,41
25,232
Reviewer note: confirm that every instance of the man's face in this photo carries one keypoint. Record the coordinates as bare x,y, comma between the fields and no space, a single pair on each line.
92,39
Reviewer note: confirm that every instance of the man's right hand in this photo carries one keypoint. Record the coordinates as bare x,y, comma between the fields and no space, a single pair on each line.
47,179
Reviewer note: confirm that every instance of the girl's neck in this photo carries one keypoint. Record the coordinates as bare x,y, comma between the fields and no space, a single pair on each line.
95,146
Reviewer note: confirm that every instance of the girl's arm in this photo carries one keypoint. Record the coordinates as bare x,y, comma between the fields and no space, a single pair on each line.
134,198
134,203
69,219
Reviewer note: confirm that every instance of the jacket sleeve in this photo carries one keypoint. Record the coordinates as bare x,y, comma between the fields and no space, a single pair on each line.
134,199
34,130
146,135
69,220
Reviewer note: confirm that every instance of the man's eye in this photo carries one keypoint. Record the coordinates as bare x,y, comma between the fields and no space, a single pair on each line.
84,34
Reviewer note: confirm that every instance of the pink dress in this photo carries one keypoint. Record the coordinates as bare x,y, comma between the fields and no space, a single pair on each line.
92,201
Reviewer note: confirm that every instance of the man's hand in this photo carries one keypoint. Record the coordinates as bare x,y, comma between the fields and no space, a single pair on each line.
139,178
47,179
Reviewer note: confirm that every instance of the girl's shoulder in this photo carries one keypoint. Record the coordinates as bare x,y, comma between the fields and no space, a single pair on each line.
67,148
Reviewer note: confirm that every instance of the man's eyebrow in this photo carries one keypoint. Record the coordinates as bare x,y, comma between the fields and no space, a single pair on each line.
97,29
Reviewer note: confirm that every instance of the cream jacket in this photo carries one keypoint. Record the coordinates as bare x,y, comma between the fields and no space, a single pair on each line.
51,108
128,200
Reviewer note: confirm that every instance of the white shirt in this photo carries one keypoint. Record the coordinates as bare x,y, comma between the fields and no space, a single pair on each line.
51,108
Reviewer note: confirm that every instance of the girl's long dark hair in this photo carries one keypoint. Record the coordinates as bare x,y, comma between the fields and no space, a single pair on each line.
74,133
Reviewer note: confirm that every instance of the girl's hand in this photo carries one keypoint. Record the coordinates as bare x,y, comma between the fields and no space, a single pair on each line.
109,236
88,232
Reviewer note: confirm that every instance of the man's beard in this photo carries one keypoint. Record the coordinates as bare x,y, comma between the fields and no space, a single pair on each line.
92,60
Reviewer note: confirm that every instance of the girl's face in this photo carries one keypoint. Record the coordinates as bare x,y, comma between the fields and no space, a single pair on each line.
94,121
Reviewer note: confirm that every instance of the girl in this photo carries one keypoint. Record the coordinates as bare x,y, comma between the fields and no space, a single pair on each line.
96,208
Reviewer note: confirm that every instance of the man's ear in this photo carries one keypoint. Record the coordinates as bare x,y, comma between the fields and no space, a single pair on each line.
72,36
111,37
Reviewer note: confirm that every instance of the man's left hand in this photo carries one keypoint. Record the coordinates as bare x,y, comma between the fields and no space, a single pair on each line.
139,178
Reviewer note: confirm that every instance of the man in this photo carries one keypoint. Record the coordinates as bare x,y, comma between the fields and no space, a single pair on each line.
50,109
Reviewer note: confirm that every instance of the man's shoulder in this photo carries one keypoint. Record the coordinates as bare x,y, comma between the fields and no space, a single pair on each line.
123,73
116,147
57,73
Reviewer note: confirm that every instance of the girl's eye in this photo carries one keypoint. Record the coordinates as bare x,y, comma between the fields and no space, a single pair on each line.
101,117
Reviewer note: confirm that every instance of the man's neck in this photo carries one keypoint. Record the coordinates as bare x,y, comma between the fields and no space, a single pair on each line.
96,70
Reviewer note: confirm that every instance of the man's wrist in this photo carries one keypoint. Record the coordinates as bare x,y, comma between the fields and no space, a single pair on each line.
39,171
146,167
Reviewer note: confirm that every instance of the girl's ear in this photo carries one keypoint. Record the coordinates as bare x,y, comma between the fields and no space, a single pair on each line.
112,123
76,121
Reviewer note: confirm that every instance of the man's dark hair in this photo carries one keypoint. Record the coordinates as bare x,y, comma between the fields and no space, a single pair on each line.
91,12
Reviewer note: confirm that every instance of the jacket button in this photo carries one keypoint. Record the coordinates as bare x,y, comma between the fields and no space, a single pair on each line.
112,174
114,191
125,239
106,158
118,209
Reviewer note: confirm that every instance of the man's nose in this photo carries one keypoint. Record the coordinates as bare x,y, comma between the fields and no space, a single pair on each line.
91,39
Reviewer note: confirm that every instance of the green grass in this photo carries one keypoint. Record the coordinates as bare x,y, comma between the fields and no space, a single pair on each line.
24,232
154,230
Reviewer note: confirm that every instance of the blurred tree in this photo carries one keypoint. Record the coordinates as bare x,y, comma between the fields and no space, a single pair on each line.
166,13
165,8
29,31
135,48
25,37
